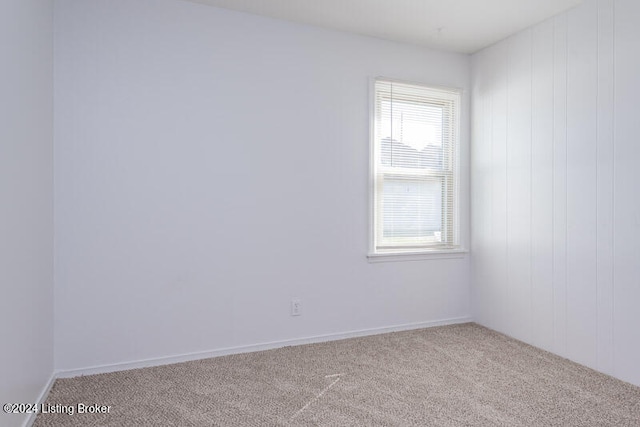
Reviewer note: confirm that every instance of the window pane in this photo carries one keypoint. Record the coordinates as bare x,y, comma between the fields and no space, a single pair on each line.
411,135
412,208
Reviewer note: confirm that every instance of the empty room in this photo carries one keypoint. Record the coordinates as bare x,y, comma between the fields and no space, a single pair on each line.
319,213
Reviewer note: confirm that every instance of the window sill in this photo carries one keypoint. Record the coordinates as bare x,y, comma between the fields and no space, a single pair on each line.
417,256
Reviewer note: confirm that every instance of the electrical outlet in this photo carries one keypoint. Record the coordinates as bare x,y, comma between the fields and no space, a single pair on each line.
296,307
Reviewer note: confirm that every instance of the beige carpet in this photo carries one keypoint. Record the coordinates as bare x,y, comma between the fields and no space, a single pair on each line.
460,375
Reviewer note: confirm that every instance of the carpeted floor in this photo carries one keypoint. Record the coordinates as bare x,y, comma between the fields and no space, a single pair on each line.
459,375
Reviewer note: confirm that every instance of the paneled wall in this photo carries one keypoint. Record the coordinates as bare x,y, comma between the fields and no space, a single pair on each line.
555,197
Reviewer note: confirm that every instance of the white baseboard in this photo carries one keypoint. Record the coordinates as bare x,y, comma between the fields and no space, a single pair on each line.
31,418
251,348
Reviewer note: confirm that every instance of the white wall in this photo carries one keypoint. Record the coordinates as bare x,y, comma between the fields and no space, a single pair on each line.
26,206
210,165
555,206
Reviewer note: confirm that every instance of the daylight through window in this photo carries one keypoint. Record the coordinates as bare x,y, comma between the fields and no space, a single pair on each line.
415,154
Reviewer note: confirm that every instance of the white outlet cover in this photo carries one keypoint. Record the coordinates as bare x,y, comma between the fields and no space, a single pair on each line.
296,306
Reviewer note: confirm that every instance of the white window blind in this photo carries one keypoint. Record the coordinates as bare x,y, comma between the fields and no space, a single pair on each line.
415,155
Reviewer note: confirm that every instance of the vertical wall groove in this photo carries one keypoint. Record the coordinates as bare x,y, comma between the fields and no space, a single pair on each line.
506,264
597,213
613,201
553,178
531,200
566,178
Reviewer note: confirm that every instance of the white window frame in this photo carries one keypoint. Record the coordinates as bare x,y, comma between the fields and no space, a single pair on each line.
404,254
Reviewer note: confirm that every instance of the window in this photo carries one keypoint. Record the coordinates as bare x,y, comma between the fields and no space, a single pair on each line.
415,168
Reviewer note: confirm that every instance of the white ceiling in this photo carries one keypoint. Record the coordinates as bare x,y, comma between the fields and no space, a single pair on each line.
464,26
